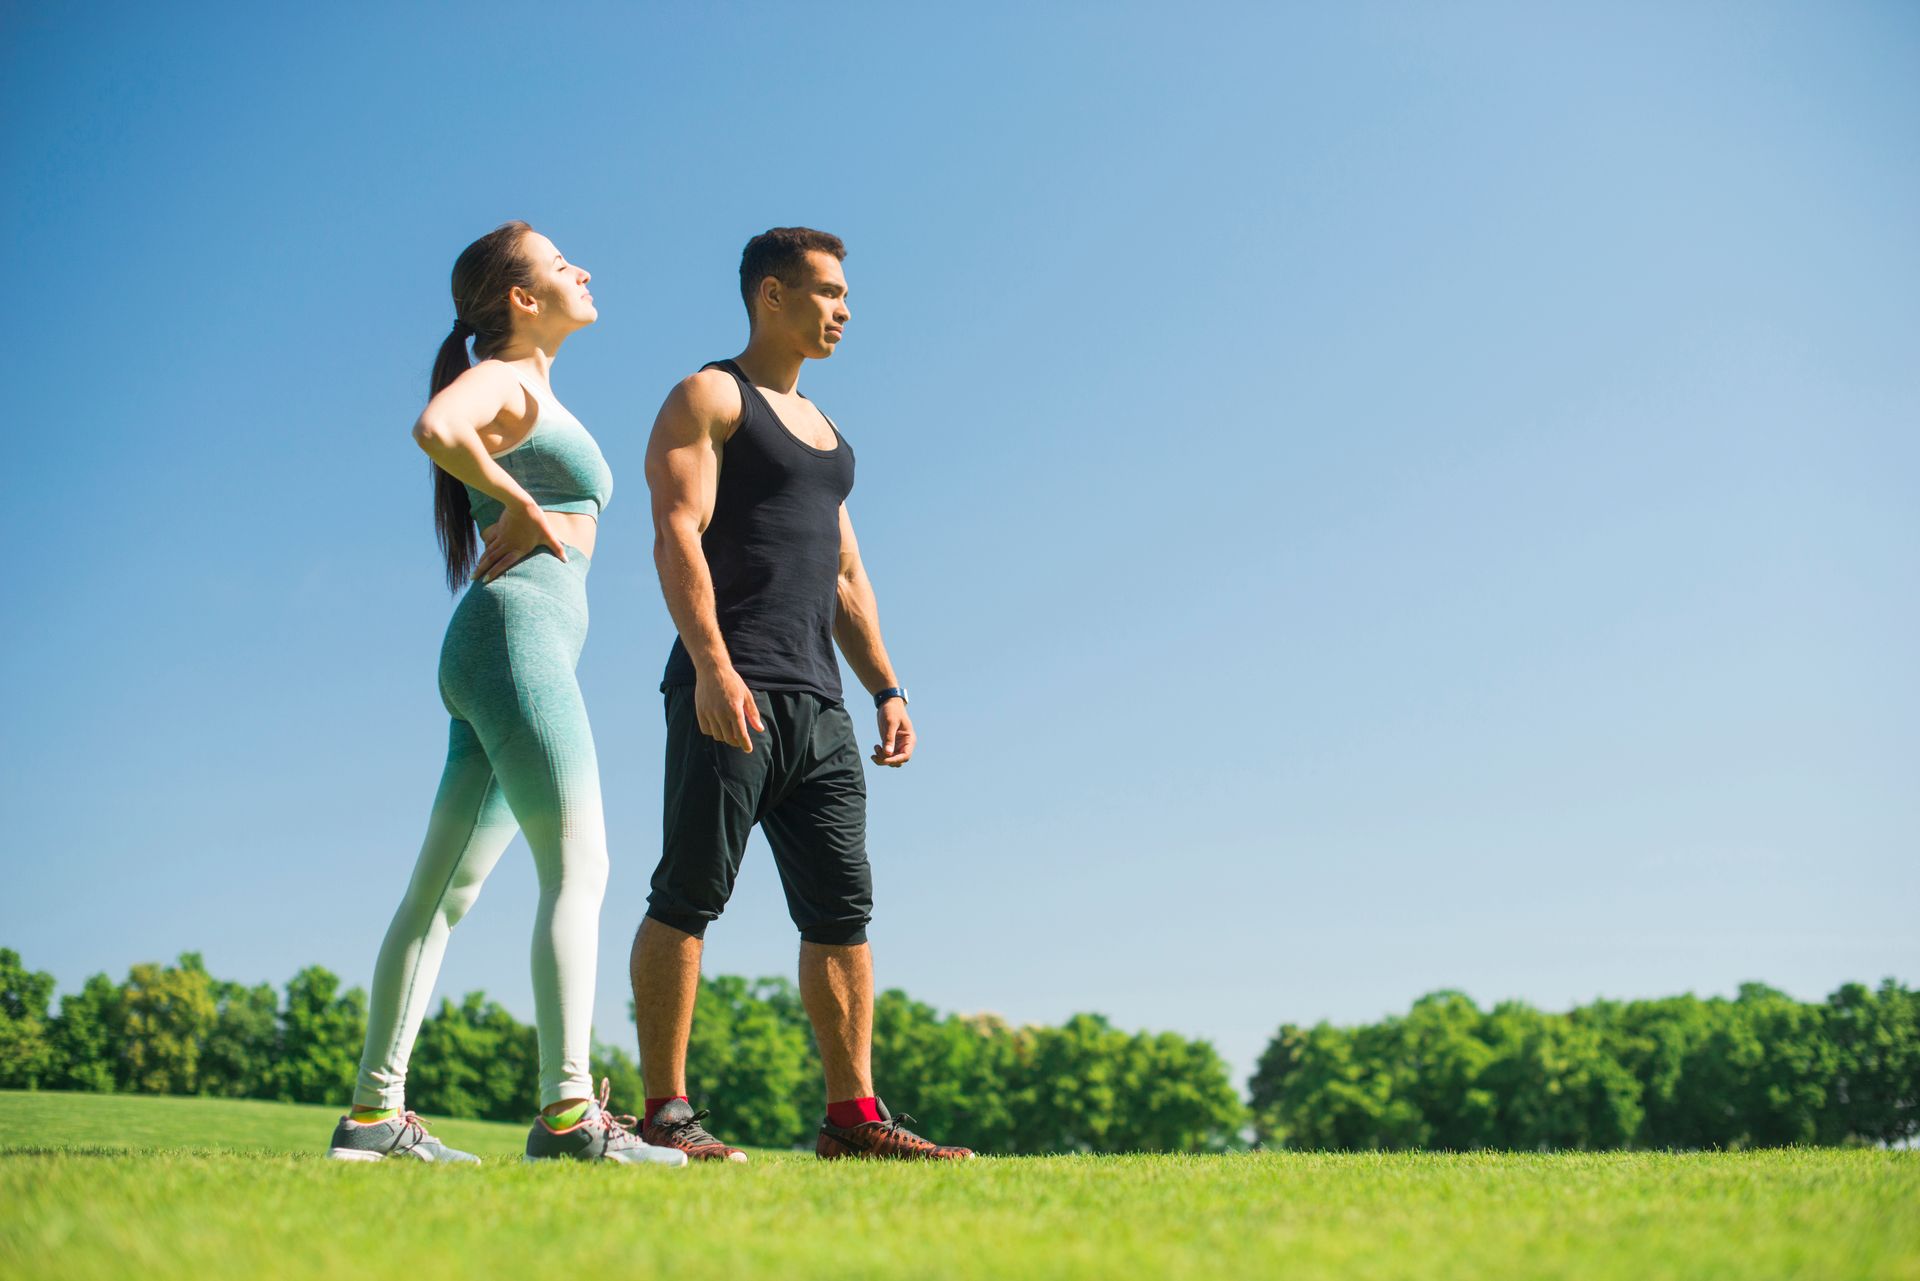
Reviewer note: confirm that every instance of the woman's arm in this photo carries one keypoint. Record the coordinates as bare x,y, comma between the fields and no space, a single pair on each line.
486,406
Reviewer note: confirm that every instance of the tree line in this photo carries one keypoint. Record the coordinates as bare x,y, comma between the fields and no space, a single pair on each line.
1760,1069
1085,1086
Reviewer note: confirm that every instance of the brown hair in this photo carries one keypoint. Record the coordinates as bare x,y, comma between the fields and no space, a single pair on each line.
782,253
483,274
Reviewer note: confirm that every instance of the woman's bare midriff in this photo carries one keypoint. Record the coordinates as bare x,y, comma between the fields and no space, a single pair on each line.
576,529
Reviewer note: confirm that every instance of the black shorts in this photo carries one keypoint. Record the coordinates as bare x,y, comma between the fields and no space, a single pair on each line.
803,783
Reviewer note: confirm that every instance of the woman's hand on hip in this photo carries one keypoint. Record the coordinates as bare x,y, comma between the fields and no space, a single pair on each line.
513,538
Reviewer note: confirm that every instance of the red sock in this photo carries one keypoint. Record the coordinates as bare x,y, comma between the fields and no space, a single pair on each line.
853,1112
654,1105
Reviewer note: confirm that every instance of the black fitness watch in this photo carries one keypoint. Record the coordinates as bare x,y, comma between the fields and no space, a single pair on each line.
891,691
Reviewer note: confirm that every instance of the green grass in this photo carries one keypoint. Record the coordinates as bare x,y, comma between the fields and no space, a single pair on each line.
94,1186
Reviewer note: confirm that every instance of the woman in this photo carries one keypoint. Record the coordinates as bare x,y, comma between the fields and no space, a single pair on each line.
510,461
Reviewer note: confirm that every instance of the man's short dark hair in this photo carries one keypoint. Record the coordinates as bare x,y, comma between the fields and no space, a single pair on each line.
782,253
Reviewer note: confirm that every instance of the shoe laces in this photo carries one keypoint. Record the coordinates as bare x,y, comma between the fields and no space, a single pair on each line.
897,1127
411,1127
614,1125
690,1131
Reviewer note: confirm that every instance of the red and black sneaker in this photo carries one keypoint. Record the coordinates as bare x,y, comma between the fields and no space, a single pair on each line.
677,1125
886,1139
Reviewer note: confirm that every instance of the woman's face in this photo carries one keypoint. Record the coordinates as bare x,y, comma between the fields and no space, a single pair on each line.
559,286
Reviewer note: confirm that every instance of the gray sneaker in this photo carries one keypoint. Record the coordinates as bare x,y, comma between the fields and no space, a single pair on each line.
404,1135
598,1136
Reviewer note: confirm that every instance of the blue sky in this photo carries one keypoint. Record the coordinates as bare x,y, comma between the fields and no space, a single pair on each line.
1367,498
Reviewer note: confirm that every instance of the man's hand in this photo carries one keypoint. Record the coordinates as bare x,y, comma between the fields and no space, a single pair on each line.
512,538
895,747
725,708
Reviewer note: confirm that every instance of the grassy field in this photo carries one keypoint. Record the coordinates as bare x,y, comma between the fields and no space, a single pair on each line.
102,1186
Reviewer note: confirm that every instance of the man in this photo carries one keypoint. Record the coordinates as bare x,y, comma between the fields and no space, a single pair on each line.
762,575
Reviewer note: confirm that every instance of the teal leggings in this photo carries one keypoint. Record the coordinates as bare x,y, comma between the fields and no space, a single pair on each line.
519,758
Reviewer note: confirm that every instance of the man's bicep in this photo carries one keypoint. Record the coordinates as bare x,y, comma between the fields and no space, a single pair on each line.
684,480
683,458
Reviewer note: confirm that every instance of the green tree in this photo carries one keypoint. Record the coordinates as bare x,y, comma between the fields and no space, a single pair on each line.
1175,1096
945,1072
1785,1091
1555,1084
1753,1071
751,1061
627,1091
86,1037
1271,1088
1083,1087
167,1014
1658,1042
475,1060
241,1057
1436,1063
321,1032
990,1062
1327,1088
1065,1095
1386,1086
26,1052
1876,1036
1087,1086
782,1001
1680,1072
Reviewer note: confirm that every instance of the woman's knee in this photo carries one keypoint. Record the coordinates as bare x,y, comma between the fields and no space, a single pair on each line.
458,901
579,868
438,900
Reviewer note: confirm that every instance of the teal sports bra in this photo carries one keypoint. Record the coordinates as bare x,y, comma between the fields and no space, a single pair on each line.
557,463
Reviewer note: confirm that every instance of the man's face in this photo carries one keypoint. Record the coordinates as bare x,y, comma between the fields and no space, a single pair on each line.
813,312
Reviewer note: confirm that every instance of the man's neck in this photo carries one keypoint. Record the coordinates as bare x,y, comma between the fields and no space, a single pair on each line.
771,365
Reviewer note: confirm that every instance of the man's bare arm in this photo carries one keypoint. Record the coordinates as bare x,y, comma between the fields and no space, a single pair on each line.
683,473
856,627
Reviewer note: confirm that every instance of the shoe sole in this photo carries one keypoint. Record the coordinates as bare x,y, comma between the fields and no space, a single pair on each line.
610,1160
357,1154
731,1158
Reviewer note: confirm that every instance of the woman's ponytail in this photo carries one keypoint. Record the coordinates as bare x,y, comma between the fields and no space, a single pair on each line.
452,510
483,275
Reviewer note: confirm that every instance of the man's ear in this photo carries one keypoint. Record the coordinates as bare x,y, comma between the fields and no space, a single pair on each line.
770,292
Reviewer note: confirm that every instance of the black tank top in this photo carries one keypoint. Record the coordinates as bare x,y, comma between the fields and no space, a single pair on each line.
773,548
